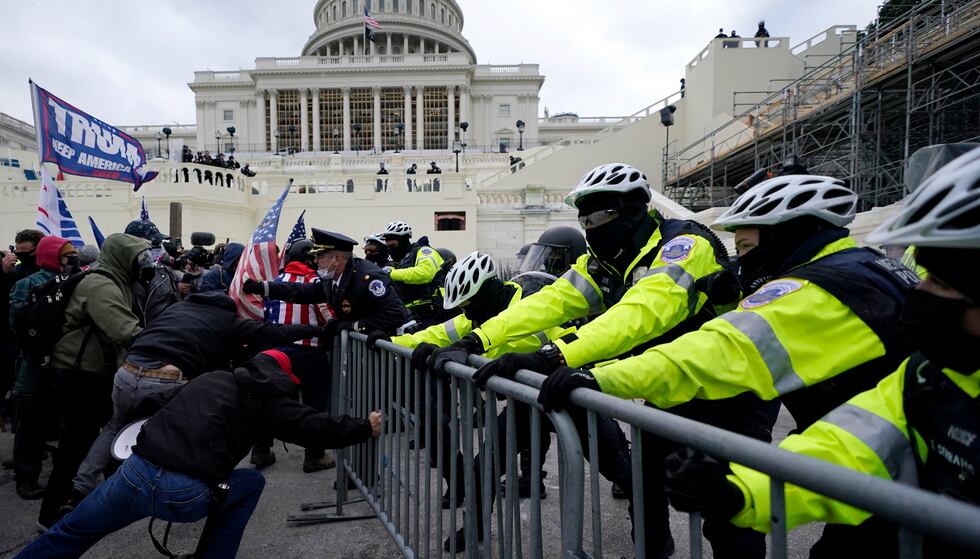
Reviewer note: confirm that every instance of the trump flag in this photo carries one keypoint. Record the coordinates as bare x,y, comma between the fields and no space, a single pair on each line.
83,145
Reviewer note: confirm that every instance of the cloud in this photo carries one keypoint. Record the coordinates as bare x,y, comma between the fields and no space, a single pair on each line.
129,62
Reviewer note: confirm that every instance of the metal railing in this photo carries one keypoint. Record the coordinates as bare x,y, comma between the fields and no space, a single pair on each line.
393,475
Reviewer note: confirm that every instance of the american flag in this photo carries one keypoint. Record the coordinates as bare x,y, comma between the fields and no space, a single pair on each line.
53,216
370,21
297,234
260,261
144,213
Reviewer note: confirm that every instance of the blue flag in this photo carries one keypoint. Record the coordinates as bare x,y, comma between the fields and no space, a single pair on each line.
144,213
99,237
83,145
53,217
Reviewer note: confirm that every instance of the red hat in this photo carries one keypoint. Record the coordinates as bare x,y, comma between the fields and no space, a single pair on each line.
284,363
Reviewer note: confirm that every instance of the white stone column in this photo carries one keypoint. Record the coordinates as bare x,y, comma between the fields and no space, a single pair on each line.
346,91
273,120
377,119
199,105
304,121
421,45
419,122
488,110
209,126
242,123
407,138
316,119
357,45
451,114
259,139
388,49
405,48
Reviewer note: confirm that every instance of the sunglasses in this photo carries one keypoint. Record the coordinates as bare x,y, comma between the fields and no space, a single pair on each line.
595,219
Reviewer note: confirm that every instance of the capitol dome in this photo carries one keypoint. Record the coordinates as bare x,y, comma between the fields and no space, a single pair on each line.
408,27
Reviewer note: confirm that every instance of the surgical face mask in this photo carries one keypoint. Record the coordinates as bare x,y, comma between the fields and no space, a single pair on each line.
325,273
934,325
156,252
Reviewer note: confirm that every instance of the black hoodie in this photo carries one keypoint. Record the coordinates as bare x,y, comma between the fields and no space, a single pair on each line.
203,332
206,427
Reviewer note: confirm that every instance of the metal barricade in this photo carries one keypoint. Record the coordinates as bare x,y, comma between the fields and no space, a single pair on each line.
434,423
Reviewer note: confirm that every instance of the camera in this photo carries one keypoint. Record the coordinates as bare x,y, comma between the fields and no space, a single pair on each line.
197,254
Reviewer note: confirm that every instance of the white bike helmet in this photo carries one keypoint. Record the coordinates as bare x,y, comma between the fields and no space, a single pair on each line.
398,228
943,212
466,277
780,199
611,177
375,238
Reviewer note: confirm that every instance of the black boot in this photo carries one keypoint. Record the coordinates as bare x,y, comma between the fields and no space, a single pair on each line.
460,538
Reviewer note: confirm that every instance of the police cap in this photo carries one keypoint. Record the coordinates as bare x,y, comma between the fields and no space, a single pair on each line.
325,241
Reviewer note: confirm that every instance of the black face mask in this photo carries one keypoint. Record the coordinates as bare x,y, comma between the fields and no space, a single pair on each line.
617,240
379,257
756,266
493,297
933,325
27,259
72,265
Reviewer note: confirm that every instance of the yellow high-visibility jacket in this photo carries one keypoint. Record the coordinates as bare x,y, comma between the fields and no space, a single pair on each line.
868,434
788,335
455,328
662,296
427,264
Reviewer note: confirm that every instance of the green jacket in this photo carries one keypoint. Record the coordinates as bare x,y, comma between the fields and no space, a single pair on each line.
106,303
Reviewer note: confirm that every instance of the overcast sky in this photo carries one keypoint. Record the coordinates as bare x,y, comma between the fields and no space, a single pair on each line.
128,61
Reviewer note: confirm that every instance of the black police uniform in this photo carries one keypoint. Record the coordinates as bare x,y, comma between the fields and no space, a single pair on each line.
364,295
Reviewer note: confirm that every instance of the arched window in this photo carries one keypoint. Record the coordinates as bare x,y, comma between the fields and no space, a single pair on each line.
432,10
343,9
408,7
421,8
443,14
335,12
394,6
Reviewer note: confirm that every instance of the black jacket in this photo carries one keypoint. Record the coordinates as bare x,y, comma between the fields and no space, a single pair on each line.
151,298
365,297
203,332
204,428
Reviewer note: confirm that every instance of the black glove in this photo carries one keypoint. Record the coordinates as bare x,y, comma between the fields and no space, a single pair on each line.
696,482
253,287
559,385
508,364
376,335
722,288
421,354
458,352
331,329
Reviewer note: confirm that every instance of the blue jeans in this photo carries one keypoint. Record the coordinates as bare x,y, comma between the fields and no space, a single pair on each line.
141,489
128,390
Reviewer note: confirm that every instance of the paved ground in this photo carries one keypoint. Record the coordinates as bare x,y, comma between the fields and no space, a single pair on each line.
268,534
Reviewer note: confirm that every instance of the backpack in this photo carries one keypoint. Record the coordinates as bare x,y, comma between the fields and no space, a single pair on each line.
42,319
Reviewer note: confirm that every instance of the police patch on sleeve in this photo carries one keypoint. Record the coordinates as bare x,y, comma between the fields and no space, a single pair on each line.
425,251
377,288
677,250
770,292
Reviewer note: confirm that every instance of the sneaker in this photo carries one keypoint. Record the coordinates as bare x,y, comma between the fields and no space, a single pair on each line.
617,492
29,490
460,538
263,458
72,502
315,464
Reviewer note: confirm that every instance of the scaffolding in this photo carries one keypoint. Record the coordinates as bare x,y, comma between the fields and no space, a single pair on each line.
857,115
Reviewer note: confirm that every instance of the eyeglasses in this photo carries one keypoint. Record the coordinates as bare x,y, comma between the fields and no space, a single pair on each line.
598,218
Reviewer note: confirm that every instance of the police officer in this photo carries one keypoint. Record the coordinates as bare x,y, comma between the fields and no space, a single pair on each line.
376,250
555,251
357,291
932,394
415,273
638,283
818,326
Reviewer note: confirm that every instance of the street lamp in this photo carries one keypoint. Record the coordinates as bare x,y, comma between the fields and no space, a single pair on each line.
463,126
159,137
336,139
457,147
167,132
292,142
399,128
667,119
217,142
231,133
520,131
357,136
277,133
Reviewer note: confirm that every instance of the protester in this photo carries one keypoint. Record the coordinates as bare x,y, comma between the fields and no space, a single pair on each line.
185,457
219,278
